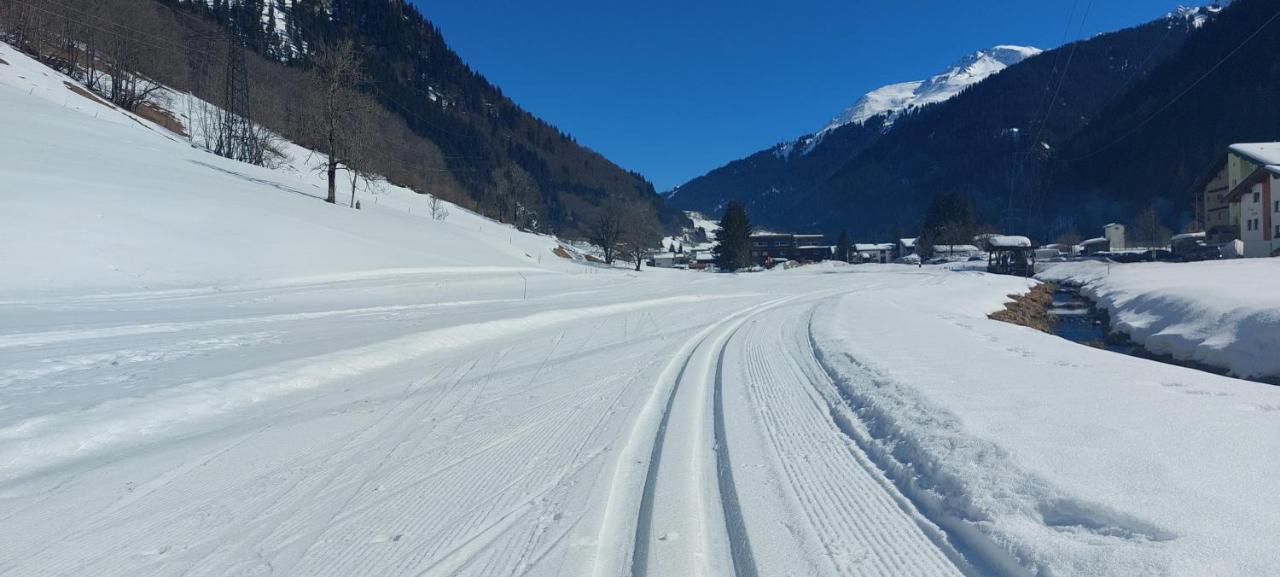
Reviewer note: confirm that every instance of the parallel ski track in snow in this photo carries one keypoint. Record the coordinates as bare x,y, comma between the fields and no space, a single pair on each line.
863,525
625,539
677,481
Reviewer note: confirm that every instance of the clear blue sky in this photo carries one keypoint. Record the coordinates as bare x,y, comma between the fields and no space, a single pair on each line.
674,88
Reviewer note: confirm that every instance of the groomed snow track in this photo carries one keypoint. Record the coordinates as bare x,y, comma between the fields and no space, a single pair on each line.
750,386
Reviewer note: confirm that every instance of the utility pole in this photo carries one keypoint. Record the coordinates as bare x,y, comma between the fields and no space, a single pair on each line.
237,134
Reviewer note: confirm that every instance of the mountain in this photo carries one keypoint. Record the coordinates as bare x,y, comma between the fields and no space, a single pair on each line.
463,139
1150,146
995,142
894,99
769,180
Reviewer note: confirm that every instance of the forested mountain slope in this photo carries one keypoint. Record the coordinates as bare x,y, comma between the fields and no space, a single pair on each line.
438,127
997,143
1151,145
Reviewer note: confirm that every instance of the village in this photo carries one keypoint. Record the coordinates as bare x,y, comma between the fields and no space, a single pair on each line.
1236,216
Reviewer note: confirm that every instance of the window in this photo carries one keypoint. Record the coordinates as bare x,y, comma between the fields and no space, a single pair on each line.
1257,197
1277,206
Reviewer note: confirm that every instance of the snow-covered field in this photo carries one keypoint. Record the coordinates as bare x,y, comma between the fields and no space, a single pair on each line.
204,370
1221,313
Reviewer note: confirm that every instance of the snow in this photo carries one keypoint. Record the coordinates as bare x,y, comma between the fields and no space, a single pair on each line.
1264,153
206,370
1076,461
1000,241
1216,313
893,99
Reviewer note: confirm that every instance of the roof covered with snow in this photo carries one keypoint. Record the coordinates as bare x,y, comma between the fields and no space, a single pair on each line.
1263,153
1000,241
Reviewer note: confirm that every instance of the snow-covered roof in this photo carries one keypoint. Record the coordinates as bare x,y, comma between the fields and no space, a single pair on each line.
908,242
1094,241
1263,153
955,248
1187,235
1000,241
872,247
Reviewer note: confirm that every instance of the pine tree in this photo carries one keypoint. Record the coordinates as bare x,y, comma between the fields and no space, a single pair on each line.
950,220
733,249
844,247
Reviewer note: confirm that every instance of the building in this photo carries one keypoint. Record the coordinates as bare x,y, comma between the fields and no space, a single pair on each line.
1095,246
766,248
1213,211
906,246
1253,172
1114,233
1011,255
702,259
874,253
668,260
956,251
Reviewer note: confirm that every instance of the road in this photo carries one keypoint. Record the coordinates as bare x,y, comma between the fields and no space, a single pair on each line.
443,424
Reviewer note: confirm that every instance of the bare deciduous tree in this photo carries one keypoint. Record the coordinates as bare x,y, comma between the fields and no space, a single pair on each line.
639,232
438,209
606,230
340,107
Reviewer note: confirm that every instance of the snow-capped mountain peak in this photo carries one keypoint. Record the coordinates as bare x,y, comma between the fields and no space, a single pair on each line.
894,99
1197,16
897,98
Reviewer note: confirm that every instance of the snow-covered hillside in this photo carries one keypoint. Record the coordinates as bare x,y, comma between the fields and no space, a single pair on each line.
135,207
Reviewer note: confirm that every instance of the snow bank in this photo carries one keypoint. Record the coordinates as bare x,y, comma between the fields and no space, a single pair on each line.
1225,314
1043,457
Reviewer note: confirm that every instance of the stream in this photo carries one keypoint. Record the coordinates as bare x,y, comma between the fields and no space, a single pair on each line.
1079,320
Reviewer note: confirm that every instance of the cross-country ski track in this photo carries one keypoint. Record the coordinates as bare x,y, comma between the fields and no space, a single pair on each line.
488,436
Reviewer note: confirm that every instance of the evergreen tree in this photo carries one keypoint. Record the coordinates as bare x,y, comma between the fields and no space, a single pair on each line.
844,247
950,220
733,249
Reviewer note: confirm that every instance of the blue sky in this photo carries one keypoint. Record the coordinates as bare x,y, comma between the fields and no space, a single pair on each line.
674,88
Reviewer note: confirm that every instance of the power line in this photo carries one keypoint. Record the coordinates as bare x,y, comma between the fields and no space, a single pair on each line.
171,44
1181,94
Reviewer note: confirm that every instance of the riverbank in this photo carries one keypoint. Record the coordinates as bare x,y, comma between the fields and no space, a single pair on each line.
1215,314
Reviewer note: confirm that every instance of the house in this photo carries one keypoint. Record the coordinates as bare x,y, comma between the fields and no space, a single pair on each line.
956,251
1095,245
906,246
668,260
1212,209
1114,234
701,260
767,248
1253,172
877,253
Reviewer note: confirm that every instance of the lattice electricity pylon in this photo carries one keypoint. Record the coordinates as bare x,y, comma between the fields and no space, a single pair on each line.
237,134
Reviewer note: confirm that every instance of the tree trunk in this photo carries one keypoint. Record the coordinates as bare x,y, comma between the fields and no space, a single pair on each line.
333,189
